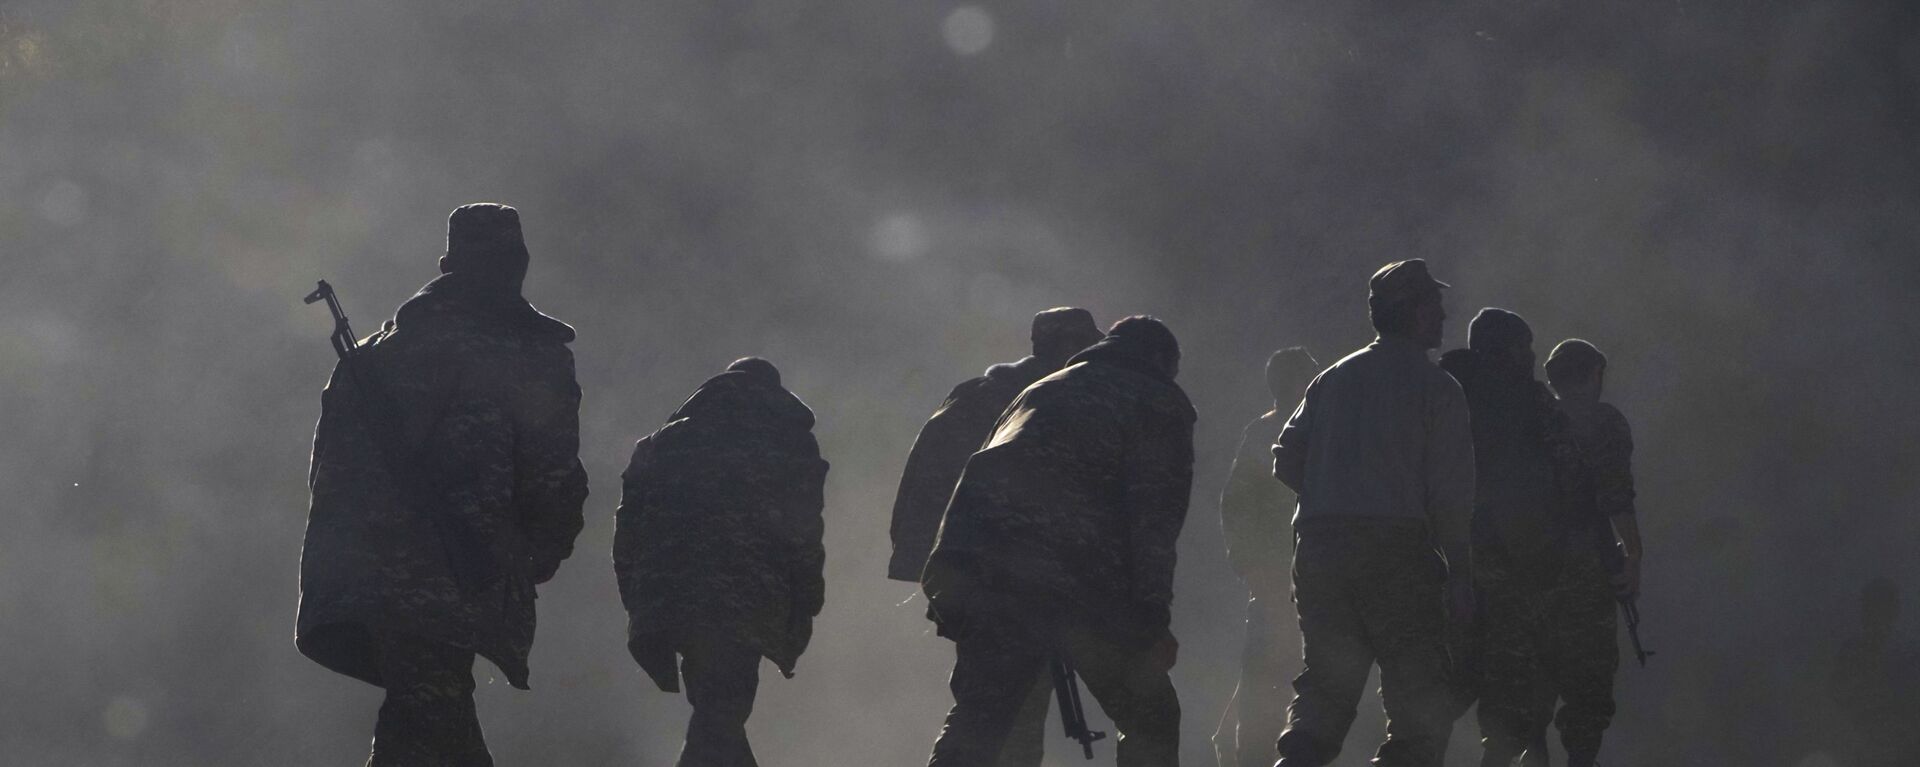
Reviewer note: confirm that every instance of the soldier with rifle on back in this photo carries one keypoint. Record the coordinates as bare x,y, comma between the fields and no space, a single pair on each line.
1058,545
446,485
958,427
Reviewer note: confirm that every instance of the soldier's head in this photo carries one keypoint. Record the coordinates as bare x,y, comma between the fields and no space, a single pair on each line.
1404,301
1149,339
484,243
757,369
1576,370
1504,340
1061,332
1288,373
1879,608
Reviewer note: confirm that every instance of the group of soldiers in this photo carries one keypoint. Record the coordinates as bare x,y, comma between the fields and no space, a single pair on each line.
1462,525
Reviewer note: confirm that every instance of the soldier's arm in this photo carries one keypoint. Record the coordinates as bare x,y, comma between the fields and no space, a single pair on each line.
1290,449
1450,473
551,484
1613,488
810,585
1158,483
626,520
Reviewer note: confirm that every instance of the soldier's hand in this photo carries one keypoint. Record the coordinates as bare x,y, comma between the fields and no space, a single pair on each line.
1165,652
1626,583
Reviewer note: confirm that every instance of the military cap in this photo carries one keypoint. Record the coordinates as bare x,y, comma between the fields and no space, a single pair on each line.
484,240
1494,328
1402,281
1065,322
1574,358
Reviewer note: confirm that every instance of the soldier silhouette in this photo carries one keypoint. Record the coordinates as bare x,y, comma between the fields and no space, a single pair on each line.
1519,538
1380,451
446,484
1059,544
960,426
1255,510
717,549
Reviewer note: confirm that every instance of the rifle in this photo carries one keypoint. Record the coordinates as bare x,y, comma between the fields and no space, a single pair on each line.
1629,605
1066,687
344,343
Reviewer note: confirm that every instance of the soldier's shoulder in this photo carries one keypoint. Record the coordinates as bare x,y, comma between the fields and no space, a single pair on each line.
1611,421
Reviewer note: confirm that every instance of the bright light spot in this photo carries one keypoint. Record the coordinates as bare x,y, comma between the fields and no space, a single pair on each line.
899,237
968,30
64,204
125,718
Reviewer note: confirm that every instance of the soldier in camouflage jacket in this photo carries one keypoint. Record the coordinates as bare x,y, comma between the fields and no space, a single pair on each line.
960,426
1060,539
446,483
718,550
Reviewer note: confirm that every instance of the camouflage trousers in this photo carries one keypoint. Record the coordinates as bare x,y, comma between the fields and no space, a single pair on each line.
999,668
721,679
1368,590
1547,638
1258,709
428,717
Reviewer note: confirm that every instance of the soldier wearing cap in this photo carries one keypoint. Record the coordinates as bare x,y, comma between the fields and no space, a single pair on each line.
1059,544
717,549
960,426
446,484
1380,452
1254,510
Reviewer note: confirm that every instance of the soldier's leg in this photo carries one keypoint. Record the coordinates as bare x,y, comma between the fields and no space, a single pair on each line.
1510,673
428,717
1405,620
1262,696
1139,698
721,679
1581,656
1335,653
1026,740
994,670
1542,718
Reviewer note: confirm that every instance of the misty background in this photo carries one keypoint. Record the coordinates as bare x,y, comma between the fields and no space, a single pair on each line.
876,195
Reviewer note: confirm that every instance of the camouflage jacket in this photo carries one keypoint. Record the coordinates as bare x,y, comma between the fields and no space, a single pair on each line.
719,527
959,427
1593,450
1256,510
1516,518
1078,498
446,482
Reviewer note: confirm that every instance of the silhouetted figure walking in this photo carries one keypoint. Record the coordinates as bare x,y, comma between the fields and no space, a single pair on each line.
1519,536
1255,515
446,483
718,552
1560,624
1059,543
960,426
1381,454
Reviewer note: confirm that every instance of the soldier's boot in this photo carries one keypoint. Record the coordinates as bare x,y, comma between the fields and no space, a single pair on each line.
1583,759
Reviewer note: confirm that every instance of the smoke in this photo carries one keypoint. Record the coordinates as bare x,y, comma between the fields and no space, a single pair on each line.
875,196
